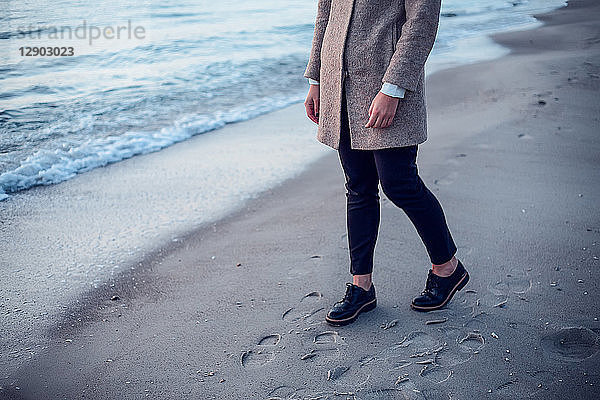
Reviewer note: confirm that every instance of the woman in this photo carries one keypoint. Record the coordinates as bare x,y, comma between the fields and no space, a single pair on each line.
366,75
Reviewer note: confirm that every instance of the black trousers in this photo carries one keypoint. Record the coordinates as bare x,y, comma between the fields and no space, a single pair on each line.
396,169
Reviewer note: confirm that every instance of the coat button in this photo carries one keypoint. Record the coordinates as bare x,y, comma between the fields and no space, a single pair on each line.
345,73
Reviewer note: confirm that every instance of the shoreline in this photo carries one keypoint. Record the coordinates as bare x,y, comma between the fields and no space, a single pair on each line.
170,276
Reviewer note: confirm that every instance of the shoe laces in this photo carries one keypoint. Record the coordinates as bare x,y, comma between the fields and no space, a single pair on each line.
432,282
348,295
349,291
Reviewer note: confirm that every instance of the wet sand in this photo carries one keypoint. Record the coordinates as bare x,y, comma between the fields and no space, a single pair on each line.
236,310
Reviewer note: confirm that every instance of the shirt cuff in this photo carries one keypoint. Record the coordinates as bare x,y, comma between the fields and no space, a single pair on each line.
312,82
393,90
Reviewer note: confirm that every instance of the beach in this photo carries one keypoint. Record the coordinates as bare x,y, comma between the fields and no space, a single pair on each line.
235,308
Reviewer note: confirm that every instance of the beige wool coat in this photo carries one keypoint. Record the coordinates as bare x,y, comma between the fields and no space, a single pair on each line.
360,44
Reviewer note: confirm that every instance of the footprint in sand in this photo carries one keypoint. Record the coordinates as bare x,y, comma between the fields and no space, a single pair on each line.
477,323
444,362
460,346
295,315
419,357
328,337
325,346
415,347
438,367
419,342
435,373
326,351
432,356
516,281
472,342
348,378
414,342
264,352
463,305
571,344
309,310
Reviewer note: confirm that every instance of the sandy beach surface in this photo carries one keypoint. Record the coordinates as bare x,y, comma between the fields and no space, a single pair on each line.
236,310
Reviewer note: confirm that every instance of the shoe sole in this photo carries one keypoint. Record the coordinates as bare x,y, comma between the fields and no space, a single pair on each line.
345,321
459,285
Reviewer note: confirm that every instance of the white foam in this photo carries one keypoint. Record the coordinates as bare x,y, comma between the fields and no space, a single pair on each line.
48,167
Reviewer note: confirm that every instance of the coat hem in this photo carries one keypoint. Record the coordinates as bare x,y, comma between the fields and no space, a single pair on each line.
375,147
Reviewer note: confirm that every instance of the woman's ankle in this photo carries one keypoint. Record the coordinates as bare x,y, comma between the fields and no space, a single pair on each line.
362,281
445,269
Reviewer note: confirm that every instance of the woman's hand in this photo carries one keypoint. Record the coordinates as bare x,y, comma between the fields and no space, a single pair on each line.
312,103
382,111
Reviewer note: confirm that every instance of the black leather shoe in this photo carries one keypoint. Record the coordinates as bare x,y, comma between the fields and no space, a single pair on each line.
439,290
355,301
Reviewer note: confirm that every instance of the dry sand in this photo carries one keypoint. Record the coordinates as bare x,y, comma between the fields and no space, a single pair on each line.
236,311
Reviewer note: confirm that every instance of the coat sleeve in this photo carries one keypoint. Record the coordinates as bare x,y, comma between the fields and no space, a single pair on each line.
314,61
414,44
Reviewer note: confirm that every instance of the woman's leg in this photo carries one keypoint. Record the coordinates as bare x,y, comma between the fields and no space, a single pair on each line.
362,207
362,203
400,181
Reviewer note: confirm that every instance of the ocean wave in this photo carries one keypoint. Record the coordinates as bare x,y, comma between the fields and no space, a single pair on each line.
47,167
